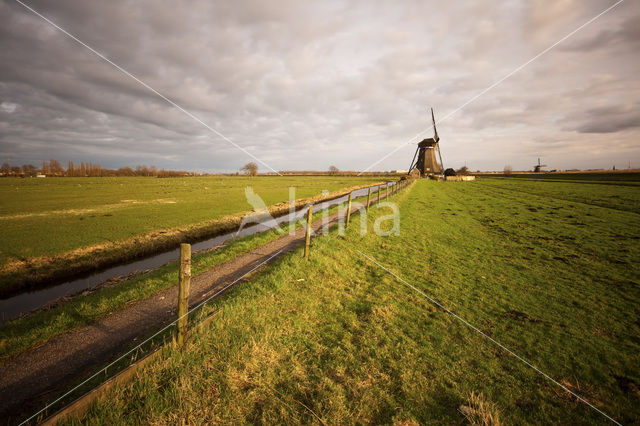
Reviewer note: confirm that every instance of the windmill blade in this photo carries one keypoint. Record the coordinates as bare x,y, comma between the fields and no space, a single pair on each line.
435,131
414,159
440,155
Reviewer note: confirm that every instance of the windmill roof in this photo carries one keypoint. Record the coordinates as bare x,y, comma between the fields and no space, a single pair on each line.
427,142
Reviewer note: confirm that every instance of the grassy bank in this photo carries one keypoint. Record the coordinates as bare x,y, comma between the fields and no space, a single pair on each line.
54,228
23,333
339,340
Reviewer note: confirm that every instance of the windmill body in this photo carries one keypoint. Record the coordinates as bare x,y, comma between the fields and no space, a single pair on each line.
427,154
427,161
538,167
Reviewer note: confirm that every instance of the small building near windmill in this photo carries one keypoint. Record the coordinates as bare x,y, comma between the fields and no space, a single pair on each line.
459,178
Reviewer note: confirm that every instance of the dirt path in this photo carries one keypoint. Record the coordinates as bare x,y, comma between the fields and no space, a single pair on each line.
37,376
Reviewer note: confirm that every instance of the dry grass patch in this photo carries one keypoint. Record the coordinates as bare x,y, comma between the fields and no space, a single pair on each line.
479,411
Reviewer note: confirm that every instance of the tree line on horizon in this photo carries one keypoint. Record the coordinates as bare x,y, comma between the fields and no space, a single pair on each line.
54,168
85,169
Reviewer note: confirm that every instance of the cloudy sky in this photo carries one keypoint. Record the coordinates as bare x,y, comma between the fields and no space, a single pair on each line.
306,85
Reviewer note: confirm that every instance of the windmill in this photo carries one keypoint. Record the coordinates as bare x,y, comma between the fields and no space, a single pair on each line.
425,157
538,167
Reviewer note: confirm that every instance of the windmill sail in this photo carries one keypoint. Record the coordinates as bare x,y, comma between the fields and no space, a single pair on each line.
435,131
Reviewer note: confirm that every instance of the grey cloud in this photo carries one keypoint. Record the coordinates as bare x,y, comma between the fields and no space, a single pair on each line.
625,34
609,119
309,84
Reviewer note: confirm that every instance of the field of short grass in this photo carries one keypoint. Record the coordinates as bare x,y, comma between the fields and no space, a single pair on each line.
627,178
340,340
61,224
618,195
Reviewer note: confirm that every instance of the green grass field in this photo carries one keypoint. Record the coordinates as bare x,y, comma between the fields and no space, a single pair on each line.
617,197
548,271
61,224
627,178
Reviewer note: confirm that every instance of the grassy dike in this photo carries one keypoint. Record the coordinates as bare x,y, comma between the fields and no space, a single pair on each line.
339,340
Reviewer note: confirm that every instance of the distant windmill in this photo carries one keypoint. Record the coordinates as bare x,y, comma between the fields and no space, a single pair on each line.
425,157
538,167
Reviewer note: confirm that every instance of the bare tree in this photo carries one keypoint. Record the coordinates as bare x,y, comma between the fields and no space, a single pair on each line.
250,169
333,170
142,170
462,171
125,171
29,170
55,166
508,170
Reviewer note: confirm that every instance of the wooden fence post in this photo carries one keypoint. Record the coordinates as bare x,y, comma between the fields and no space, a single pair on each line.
308,234
183,291
368,199
348,212
379,191
386,190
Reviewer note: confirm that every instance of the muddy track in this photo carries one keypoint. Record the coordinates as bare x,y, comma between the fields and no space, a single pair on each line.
30,379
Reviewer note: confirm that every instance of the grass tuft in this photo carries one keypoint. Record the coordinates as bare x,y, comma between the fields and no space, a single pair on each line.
478,411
